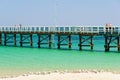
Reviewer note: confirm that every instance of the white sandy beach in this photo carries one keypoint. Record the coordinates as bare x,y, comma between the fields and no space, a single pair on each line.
69,76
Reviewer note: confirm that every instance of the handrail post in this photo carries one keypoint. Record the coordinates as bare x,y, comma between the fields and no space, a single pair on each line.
39,29
104,30
58,29
34,29
26,29
44,29
69,29
74,29
83,29
64,29
49,29
98,30
31,29
92,30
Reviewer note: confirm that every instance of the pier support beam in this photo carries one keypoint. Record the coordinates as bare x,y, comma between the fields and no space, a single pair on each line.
15,39
44,39
62,39
111,42
118,43
106,44
50,41
85,41
58,42
26,39
80,43
69,41
21,40
38,40
9,38
91,42
31,40
5,39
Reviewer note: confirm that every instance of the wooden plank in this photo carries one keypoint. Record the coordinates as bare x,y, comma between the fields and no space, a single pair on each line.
25,42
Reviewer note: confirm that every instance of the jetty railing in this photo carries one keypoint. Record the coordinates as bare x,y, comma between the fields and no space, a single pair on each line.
73,29
44,34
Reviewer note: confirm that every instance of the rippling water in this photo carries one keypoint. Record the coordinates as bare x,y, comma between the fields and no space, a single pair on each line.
19,60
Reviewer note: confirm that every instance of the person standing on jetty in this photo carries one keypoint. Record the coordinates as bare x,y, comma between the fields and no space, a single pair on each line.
15,27
109,28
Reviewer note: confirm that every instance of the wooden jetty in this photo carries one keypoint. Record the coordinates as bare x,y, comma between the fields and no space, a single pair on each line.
8,34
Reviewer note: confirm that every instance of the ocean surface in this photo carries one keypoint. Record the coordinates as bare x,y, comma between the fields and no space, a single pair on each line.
20,60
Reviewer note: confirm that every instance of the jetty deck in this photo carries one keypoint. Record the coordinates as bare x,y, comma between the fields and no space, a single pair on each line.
63,33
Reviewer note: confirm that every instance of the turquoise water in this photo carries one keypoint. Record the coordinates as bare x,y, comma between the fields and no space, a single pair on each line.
19,60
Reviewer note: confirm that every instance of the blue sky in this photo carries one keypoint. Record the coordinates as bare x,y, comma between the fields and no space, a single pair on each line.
59,12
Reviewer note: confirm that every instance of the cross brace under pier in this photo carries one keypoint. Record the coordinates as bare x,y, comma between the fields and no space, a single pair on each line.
44,39
62,39
112,42
26,39
86,41
9,38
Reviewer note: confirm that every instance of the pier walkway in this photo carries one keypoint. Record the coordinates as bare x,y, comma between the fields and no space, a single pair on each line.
85,33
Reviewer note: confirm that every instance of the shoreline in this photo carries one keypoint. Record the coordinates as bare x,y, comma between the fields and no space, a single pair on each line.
57,73
67,76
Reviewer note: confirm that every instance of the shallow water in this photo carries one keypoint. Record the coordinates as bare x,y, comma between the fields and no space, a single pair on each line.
20,60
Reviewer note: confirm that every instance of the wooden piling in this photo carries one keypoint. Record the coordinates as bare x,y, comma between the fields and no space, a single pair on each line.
118,43
38,40
86,41
91,42
80,42
21,40
58,41
44,39
5,39
69,41
109,40
62,38
50,40
31,40
15,39
106,44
